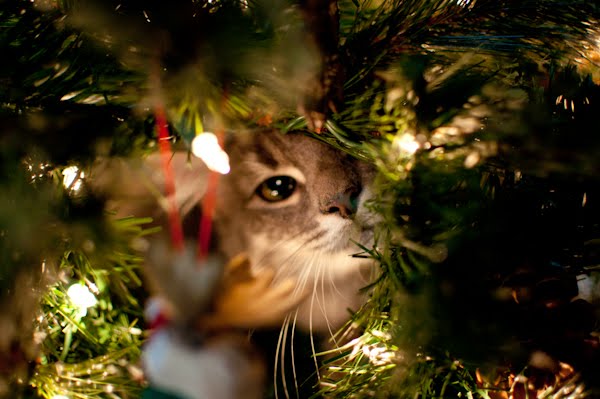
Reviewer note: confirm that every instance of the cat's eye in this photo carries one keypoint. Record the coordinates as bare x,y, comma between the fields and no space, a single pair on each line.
276,188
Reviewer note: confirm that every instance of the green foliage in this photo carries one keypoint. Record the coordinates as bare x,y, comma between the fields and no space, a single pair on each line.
98,377
453,143
90,352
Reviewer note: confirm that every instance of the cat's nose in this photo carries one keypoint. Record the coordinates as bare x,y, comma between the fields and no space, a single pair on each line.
345,204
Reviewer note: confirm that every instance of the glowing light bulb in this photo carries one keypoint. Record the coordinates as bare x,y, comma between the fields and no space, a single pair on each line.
206,147
407,143
72,178
60,397
81,297
379,355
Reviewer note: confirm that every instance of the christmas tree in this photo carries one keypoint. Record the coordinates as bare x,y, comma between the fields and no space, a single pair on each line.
478,115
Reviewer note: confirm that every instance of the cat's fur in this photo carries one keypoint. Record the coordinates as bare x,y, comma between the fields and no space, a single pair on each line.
309,236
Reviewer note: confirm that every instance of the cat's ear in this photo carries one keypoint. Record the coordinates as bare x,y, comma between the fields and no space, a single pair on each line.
136,187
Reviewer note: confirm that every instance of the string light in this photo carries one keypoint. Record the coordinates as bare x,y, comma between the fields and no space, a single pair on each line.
380,354
72,178
407,143
375,346
81,297
465,3
206,147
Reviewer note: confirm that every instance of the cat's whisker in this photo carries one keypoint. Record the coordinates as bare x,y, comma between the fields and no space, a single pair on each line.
292,352
311,333
305,275
280,358
365,279
285,332
329,326
263,261
319,281
285,268
288,269
334,286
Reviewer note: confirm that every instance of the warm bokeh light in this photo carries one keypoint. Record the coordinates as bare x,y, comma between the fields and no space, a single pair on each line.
72,178
81,297
206,147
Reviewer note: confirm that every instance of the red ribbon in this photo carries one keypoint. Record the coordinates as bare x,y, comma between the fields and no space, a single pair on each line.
164,147
208,208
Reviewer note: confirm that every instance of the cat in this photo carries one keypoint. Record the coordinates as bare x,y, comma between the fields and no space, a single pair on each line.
297,205
290,202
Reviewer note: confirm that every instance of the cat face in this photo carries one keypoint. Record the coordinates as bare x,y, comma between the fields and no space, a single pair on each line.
290,202
296,205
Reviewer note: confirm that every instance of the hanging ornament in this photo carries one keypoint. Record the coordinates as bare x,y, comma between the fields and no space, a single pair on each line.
199,346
